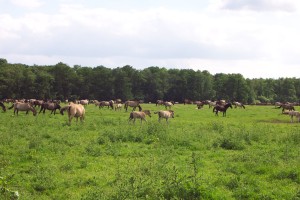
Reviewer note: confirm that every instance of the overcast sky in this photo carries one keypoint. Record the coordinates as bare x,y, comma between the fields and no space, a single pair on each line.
256,38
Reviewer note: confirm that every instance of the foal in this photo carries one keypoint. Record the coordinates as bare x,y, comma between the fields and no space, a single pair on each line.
139,115
165,114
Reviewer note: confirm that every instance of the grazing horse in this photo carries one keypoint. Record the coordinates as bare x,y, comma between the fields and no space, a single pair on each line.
84,102
187,101
37,103
106,103
199,104
133,104
159,102
168,104
238,104
49,106
74,110
223,109
139,115
2,106
118,106
288,106
212,104
23,107
165,114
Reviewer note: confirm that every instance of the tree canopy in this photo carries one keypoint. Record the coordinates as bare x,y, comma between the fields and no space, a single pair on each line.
62,82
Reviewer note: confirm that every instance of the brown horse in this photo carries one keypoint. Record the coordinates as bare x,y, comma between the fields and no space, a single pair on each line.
23,107
139,115
109,104
2,106
287,106
133,104
223,109
74,110
50,106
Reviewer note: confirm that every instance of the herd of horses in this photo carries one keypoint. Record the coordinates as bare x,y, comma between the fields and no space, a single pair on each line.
77,109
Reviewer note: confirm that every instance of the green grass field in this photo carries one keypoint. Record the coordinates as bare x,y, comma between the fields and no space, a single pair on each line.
250,154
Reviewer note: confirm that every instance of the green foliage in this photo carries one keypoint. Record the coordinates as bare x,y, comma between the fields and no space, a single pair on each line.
62,82
252,153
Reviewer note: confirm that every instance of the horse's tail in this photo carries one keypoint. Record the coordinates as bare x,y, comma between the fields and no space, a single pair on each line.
214,109
11,106
243,106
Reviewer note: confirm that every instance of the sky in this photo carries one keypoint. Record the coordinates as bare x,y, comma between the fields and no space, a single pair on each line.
255,38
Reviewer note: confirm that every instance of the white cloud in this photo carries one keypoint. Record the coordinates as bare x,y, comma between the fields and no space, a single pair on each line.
260,5
31,4
219,40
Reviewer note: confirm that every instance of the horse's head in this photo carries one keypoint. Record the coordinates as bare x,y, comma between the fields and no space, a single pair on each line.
147,112
172,113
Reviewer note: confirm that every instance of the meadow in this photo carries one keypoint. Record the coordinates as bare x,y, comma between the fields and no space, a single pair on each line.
253,153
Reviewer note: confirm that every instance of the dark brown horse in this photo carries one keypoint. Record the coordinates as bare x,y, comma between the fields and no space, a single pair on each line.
49,106
2,106
223,109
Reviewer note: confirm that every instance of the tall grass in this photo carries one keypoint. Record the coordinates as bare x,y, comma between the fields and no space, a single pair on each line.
250,154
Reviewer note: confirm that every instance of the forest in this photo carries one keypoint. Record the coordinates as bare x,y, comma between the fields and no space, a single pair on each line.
63,82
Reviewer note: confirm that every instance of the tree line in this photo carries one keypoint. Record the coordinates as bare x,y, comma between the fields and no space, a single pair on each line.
63,82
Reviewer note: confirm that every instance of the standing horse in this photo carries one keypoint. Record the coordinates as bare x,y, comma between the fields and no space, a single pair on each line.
165,114
49,106
2,106
74,110
223,109
133,104
23,107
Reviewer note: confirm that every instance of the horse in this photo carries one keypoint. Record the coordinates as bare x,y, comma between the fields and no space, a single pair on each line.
37,103
168,104
118,106
294,113
223,109
23,107
74,110
288,106
212,104
139,115
106,103
2,106
49,106
165,114
133,104
159,102
84,102
238,104
187,101
199,104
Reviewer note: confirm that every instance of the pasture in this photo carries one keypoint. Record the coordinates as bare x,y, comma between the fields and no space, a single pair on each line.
253,153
